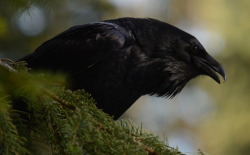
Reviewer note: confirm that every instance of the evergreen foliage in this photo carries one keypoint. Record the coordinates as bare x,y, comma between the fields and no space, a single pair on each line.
68,121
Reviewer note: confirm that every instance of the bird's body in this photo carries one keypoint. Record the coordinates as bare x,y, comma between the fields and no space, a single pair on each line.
117,61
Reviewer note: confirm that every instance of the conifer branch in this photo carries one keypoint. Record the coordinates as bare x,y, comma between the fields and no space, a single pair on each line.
148,149
75,131
76,127
62,102
136,140
5,65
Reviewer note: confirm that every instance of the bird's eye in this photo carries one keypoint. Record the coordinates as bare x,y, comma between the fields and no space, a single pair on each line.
195,49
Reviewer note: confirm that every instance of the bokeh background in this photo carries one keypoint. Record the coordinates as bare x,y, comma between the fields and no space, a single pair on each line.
207,116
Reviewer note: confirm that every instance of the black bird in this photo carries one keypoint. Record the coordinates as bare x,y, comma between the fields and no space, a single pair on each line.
119,60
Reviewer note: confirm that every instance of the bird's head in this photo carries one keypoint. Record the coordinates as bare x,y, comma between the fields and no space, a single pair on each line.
170,56
183,58
189,52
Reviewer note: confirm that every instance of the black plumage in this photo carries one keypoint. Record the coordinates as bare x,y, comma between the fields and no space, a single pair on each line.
119,60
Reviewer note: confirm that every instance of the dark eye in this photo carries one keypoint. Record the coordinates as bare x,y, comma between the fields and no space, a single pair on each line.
194,49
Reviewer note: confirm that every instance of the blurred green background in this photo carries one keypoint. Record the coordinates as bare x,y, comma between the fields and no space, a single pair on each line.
207,116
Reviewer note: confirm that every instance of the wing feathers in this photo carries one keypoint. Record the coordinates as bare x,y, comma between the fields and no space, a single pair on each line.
77,48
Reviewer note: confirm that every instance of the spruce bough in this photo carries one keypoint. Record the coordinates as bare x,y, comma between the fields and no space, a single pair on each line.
67,121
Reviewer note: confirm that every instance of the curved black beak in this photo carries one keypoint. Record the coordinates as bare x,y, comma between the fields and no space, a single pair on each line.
210,67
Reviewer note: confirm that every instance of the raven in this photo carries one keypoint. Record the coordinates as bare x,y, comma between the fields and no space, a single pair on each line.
119,60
